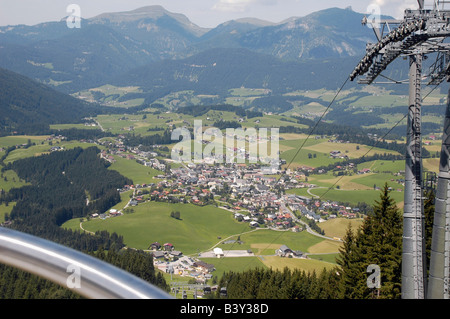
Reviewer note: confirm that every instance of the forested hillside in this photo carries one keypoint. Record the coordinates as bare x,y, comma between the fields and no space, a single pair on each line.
83,182
216,71
27,107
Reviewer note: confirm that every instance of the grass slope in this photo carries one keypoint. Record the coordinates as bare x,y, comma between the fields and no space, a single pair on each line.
197,230
138,173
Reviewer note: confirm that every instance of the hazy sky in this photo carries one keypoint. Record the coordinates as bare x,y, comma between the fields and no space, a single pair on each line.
205,13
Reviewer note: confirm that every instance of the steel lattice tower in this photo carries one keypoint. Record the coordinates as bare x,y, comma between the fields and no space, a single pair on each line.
421,32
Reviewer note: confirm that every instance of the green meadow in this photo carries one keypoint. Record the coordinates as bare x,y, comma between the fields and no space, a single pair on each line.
354,196
69,126
111,95
380,166
141,123
138,173
378,180
9,179
5,209
308,265
266,241
44,148
328,258
197,230
352,188
234,263
315,152
337,227
314,263
7,141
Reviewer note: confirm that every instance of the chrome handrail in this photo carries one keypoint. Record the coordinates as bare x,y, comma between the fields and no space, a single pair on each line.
81,273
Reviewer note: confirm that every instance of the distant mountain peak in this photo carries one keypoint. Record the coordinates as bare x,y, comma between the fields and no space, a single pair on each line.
255,21
153,12
152,8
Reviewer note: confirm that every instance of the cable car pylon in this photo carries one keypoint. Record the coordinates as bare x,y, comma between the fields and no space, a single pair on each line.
421,32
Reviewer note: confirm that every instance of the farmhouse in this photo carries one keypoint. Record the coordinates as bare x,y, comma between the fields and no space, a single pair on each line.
284,251
168,247
204,267
133,202
158,254
218,252
335,154
254,224
155,246
114,212
176,253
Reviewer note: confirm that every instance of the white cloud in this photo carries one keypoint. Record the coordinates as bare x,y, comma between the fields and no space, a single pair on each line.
240,5
396,8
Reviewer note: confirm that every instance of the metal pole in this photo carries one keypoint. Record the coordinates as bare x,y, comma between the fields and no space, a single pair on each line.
84,274
413,255
421,3
438,281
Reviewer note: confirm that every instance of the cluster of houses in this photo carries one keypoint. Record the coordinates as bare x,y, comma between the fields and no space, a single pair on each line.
56,148
172,261
333,209
110,213
245,190
338,154
165,252
107,157
55,137
154,163
145,158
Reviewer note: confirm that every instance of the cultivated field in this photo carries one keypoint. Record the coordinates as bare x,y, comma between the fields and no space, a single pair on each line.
308,265
338,227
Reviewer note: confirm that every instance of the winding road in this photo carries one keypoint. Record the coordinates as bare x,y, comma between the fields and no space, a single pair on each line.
308,229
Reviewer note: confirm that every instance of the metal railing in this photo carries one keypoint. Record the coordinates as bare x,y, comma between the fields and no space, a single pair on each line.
83,274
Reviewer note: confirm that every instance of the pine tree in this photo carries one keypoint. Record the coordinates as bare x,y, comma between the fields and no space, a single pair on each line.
429,218
386,249
377,242
349,260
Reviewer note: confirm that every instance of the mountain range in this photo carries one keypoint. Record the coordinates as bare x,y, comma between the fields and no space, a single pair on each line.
112,45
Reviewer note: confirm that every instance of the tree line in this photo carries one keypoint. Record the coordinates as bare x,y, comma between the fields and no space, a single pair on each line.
199,110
